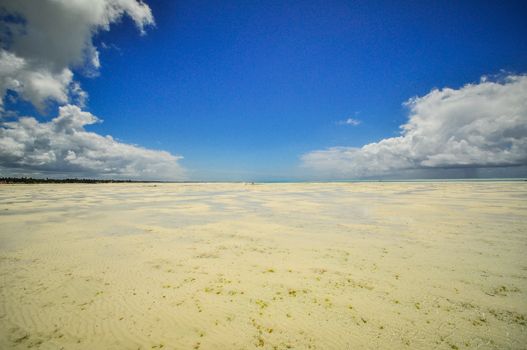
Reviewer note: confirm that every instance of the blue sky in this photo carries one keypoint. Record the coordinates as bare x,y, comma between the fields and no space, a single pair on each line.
243,89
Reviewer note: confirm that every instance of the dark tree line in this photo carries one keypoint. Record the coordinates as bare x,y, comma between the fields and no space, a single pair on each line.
30,180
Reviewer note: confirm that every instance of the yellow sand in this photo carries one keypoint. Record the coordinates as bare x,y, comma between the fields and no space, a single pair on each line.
239,266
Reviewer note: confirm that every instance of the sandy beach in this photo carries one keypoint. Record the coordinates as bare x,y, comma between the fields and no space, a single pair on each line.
421,265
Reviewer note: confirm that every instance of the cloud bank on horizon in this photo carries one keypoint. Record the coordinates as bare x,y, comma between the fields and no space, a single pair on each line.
43,44
63,146
477,125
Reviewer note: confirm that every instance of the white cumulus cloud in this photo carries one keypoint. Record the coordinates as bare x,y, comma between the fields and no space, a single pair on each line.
477,125
43,41
349,121
63,146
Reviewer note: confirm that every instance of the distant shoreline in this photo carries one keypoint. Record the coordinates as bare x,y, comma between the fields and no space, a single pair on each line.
29,180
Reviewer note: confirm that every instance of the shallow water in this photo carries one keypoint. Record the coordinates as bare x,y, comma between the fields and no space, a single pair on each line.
306,266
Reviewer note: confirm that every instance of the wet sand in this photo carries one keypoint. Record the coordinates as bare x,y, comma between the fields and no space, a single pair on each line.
277,266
